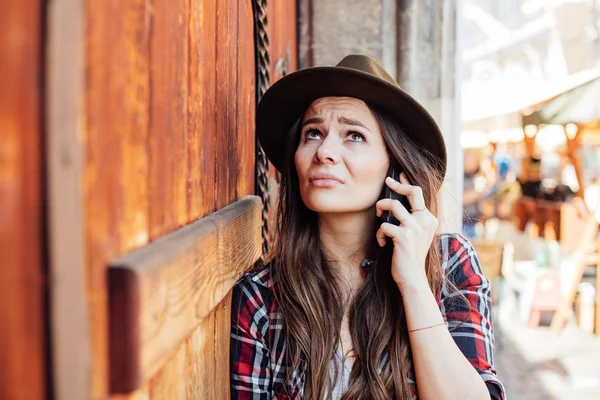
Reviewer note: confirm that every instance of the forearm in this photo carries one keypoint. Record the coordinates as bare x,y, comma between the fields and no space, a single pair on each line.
441,369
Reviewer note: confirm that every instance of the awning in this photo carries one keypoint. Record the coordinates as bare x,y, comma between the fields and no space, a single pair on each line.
577,89
580,105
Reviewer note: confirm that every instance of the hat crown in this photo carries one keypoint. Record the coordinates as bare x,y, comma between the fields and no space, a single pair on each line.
368,65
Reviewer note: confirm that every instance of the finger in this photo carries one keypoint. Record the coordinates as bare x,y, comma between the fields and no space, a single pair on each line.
385,231
397,209
413,193
404,179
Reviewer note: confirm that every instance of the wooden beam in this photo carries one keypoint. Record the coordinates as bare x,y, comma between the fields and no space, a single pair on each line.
161,292
71,357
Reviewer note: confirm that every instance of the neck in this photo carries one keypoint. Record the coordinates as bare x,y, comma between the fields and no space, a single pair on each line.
345,239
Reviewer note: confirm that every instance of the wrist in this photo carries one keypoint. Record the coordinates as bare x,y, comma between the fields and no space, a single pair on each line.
414,285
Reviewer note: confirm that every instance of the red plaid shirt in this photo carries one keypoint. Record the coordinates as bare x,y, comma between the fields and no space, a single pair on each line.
257,339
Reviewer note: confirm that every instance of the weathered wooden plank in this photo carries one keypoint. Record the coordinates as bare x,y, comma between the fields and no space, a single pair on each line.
246,95
168,382
65,160
193,175
225,101
132,127
209,154
168,130
202,135
201,352
22,274
160,293
115,181
222,329
282,37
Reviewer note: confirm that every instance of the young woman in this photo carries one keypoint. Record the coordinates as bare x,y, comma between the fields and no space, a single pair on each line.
349,306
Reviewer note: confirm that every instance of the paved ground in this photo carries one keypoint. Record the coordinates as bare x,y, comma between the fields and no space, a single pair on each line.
538,364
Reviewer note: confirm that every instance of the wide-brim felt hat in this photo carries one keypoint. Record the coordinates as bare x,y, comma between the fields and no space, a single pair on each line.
356,76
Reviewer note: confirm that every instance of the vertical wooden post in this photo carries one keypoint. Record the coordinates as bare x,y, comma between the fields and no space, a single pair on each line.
65,158
573,146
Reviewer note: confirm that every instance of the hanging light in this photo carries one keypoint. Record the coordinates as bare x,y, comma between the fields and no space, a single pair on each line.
530,130
571,130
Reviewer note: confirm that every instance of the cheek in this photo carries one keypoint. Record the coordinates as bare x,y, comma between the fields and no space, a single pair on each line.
369,179
298,162
303,158
371,169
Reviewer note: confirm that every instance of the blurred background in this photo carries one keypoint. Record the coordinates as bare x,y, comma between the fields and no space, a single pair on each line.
531,140
134,192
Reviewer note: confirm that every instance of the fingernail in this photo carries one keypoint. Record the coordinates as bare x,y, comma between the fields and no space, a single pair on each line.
389,179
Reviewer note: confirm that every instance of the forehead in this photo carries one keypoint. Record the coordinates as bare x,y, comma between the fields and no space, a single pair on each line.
348,106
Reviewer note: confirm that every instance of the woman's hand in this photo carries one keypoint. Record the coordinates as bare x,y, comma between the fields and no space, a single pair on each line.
412,238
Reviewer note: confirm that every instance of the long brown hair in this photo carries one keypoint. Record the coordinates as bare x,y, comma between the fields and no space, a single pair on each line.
309,295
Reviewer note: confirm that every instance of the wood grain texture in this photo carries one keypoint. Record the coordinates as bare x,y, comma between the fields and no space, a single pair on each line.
116,189
160,293
22,271
226,101
168,130
200,373
207,58
246,99
222,341
169,134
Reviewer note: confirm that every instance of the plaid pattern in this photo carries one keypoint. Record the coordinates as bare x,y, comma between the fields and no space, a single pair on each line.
257,337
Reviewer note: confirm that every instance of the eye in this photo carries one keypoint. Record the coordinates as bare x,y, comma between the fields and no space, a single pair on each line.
356,137
312,134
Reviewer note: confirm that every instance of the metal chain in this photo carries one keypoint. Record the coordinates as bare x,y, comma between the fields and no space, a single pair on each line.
263,63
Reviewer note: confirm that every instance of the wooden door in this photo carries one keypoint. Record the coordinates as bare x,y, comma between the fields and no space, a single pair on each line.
175,144
152,170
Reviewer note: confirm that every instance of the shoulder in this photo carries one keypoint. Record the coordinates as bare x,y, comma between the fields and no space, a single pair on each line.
453,244
260,277
459,260
251,295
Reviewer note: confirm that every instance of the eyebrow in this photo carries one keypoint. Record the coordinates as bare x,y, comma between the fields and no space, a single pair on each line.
349,121
341,120
313,120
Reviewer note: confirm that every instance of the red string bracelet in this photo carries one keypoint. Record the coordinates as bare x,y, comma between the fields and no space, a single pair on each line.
427,327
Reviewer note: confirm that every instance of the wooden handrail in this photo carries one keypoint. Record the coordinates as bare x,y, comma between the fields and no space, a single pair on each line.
161,292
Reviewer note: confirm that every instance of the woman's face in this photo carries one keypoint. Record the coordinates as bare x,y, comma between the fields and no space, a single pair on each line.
341,158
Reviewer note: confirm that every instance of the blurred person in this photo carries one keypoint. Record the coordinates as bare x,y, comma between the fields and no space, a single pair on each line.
531,178
348,305
479,180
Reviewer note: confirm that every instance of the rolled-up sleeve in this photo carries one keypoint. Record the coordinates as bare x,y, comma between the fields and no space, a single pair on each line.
249,353
470,322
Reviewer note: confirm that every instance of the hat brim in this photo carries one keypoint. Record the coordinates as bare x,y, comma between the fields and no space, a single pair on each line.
288,98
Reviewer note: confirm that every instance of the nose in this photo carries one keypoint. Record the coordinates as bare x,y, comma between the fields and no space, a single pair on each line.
329,151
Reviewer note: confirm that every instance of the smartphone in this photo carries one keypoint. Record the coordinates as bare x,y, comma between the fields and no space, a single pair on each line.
394,172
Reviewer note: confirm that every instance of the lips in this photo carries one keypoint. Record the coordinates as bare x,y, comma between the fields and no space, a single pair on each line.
324,180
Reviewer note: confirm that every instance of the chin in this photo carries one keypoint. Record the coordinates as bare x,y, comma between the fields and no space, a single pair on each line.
329,203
